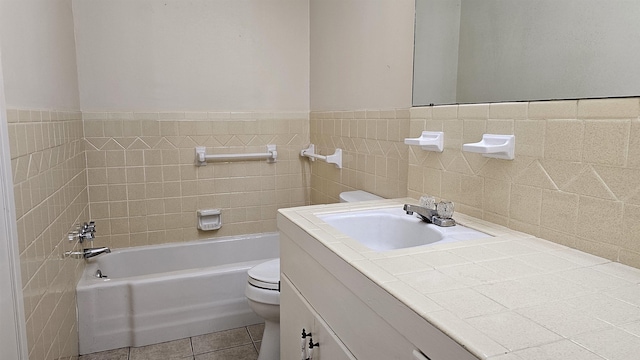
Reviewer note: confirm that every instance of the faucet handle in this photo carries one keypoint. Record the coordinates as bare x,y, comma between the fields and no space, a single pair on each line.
445,209
86,236
428,202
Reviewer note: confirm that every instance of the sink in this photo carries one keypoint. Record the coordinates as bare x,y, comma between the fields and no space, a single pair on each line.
391,228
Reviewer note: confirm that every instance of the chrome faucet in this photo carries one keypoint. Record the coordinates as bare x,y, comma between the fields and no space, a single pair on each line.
87,253
429,215
91,252
85,232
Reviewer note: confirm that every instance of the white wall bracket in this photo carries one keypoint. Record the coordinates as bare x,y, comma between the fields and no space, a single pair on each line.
494,146
201,156
336,158
429,141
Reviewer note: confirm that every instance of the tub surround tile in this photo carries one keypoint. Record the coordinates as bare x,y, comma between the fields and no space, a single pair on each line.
50,191
151,156
520,297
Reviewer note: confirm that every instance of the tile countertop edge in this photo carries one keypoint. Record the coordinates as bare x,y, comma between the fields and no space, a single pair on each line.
483,344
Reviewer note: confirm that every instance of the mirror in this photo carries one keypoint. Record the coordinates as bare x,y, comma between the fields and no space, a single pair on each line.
470,51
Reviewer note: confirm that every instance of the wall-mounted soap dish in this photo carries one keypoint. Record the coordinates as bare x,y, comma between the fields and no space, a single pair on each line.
429,140
494,146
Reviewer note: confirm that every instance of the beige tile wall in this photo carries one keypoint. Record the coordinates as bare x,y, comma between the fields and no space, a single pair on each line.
48,161
374,154
145,189
575,179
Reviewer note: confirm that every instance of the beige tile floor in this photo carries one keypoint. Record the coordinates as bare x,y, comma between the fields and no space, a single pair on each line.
235,344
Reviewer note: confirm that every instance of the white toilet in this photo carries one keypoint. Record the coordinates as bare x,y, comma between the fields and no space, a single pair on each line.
263,291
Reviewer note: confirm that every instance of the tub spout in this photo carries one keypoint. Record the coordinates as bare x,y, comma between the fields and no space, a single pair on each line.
91,252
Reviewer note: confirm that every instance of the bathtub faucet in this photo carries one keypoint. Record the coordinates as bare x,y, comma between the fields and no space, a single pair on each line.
91,252
87,253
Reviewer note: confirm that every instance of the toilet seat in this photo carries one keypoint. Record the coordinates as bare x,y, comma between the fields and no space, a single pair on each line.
266,275
263,284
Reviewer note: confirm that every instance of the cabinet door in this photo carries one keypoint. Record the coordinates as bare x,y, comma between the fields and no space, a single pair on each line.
296,314
331,348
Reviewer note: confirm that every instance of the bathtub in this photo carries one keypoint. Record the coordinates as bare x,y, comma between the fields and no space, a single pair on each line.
160,293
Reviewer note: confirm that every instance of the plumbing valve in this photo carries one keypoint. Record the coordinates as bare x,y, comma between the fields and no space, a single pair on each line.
84,232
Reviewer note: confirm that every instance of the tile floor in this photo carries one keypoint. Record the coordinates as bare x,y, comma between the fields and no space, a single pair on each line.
235,344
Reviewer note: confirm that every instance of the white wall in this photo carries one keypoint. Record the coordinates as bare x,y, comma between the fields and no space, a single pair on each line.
361,54
198,55
38,54
438,27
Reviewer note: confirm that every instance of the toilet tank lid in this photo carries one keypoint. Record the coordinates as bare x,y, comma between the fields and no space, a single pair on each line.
268,272
358,195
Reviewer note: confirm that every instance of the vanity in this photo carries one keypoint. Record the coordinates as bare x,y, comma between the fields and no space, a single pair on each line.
498,295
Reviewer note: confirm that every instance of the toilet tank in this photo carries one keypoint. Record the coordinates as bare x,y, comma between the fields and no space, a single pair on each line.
358,195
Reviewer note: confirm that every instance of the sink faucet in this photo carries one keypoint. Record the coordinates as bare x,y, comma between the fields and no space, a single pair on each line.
429,215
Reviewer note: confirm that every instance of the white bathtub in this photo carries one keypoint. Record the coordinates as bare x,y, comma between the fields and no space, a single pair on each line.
165,292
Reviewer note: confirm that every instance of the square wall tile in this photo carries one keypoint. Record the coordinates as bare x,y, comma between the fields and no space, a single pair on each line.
525,204
609,108
593,208
606,141
564,140
553,110
559,211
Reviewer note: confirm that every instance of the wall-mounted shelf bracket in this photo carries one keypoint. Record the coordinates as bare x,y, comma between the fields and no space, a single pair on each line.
429,141
336,158
494,146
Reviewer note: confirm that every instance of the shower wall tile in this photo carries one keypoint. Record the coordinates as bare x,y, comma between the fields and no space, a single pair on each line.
574,180
144,188
50,189
375,158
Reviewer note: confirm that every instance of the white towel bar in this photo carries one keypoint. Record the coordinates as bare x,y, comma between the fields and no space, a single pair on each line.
336,158
201,156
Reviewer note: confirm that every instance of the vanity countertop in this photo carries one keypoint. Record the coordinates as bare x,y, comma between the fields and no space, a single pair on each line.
508,297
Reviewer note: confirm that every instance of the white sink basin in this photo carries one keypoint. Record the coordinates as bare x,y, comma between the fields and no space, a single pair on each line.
389,229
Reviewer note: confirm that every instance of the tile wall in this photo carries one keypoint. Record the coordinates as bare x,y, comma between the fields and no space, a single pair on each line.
48,163
575,179
145,189
374,154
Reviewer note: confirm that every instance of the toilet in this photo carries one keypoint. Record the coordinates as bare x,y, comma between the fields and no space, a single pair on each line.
263,291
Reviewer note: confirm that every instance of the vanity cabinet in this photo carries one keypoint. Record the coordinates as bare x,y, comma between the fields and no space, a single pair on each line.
352,315
301,316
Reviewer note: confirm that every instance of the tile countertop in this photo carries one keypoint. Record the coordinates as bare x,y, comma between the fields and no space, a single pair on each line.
508,297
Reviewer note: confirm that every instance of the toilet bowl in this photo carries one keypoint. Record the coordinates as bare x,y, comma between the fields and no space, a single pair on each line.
263,291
